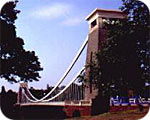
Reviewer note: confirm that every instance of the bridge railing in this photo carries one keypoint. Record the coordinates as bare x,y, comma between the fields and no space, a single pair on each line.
72,92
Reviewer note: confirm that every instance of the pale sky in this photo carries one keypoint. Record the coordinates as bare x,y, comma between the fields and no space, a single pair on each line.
55,30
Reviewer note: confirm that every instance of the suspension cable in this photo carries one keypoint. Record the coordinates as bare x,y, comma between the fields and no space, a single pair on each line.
66,73
68,85
62,91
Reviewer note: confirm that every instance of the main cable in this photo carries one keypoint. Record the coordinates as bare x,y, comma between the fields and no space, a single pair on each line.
66,73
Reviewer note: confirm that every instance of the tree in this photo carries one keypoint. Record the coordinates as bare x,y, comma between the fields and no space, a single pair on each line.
124,63
139,18
17,64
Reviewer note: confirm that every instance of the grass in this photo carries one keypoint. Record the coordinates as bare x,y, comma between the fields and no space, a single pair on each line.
124,115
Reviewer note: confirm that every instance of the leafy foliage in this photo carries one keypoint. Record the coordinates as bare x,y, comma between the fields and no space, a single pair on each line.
123,63
17,64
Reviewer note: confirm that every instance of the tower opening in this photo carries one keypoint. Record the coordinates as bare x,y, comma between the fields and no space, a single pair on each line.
93,24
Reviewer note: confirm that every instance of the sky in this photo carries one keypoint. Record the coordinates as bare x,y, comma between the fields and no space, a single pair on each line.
55,30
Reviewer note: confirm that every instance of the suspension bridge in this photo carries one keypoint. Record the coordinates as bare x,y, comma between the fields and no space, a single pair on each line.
74,97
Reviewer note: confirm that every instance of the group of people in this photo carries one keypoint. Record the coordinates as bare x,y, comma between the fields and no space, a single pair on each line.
126,100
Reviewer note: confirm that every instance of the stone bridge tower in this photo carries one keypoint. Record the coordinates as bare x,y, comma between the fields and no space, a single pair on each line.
97,35
20,97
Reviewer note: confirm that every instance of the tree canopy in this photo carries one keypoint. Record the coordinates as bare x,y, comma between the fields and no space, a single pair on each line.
124,62
17,64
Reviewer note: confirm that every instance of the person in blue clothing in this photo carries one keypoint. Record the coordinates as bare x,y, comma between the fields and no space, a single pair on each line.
139,103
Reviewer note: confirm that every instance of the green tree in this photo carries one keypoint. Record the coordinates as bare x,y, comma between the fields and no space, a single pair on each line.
123,63
17,64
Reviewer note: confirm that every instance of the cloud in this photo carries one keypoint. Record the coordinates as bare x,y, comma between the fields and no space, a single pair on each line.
73,21
52,11
68,13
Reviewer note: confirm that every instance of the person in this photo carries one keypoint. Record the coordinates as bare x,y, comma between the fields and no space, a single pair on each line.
139,103
112,101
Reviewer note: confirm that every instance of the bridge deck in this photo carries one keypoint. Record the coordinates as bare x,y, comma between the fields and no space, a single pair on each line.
63,103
